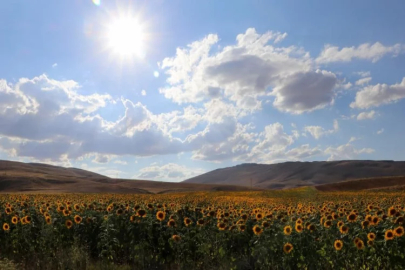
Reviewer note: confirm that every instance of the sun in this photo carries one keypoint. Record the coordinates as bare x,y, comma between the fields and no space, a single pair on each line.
126,37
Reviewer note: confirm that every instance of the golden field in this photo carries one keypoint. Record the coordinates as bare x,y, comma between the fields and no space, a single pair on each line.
292,229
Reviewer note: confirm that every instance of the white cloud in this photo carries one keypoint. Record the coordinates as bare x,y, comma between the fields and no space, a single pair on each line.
55,120
366,51
379,94
101,158
362,81
55,65
345,86
168,172
177,121
113,173
233,147
366,115
380,131
317,132
346,152
302,152
121,162
362,73
352,139
303,92
143,93
246,71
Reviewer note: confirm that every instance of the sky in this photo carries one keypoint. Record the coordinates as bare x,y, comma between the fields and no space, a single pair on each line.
167,90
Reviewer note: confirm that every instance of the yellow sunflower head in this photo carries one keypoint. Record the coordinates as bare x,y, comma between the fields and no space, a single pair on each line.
389,235
287,248
287,230
399,231
257,230
338,244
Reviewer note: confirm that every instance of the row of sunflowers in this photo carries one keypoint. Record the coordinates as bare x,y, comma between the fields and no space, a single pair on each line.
218,230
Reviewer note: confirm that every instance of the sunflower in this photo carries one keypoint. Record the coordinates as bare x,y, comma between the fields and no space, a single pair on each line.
359,244
389,235
48,220
171,223
160,215
327,223
352,217
259,216
298,227
265,224
257,230
221,226
68,223
375,220
370,242
176,238
344,229
211,214
399,231
187,221
66,212
119,212
392,211
28,219
244,217
311,227
364,224
340,223
371,236
14,220
6,227
399,220
288,248
141,213
200,222
242,227
338,244
287,230
132,218
78,219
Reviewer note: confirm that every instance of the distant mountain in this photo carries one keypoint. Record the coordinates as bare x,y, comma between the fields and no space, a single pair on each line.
296,174
44,178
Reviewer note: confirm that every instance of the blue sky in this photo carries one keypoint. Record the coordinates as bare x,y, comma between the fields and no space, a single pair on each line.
166,90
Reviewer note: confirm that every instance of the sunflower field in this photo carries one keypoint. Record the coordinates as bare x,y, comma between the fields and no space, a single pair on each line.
297,229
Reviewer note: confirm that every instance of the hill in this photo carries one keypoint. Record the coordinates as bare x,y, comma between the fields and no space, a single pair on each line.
385,183
43,178
297,174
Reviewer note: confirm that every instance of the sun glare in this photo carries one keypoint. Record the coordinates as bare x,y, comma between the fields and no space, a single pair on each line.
126,37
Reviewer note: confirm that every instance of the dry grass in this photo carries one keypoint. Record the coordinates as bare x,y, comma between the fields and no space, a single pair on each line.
396,182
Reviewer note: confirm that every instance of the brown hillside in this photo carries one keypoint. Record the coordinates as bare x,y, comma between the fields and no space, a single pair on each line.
296,174
366,183
43,178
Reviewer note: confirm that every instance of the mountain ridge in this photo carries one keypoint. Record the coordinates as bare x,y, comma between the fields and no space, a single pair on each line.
45,178
293,174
